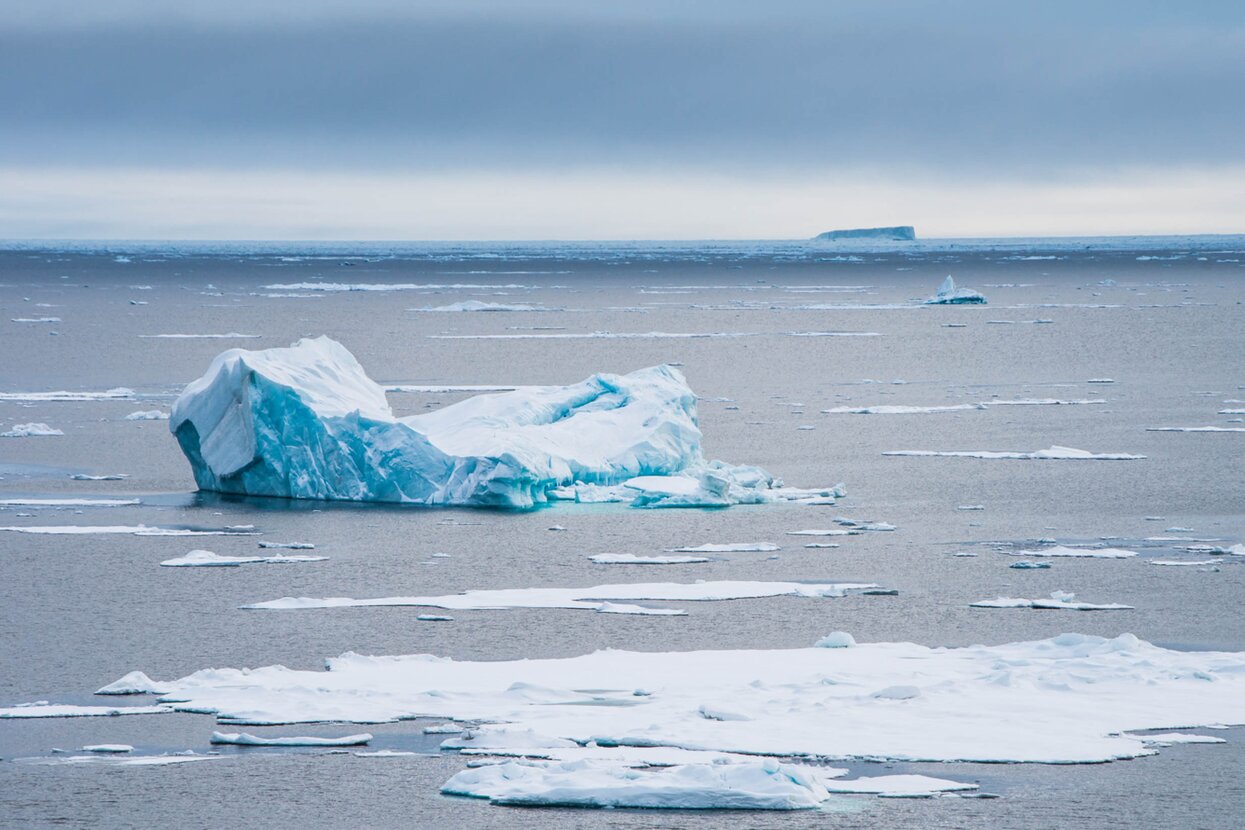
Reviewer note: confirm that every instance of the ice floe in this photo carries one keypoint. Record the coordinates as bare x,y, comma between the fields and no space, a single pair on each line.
885,409
208,559
30,430
732,547
1176,563
1195,429
307,422
632,559
148,415
477,305
233,335
106,477
287,545
894,785
1056,453
108,748
132,530
1171,738
948,294
338,287
1084,690
1025,565
838,531
247,739
1062,551
43,709
36,319
604,598
651,335
119,393
68,502
1058,601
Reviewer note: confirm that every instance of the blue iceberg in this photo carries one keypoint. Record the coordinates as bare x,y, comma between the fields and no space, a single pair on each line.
948,294
306,422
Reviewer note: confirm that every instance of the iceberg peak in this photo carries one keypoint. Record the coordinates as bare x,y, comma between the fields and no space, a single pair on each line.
948,294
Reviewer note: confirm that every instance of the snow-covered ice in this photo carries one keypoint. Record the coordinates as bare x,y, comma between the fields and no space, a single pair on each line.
1056,453
1195,429
602,598
730,547
68,502
287,545
132,530
119,393
885,409
247,739
148,415
307,422
208,559
43,709
632,559
29,430
477,305
897,785
233,335
108,748
1062,551
948,294
1059,600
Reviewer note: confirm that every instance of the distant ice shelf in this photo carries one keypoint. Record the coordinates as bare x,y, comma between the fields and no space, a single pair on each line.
895,233
307,422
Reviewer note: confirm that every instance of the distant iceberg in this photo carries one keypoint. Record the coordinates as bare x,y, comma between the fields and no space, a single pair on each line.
307,422
898,233
948,294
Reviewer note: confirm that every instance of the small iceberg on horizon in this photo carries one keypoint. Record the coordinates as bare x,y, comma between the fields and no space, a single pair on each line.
948,294
307,422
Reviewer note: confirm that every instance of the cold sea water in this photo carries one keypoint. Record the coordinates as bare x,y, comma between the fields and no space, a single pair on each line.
1162,320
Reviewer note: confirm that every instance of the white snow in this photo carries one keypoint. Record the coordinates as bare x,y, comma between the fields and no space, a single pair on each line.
1054,453
632,559
247,739
29,430
43,709
897,785
208,559
1062,551
134,683
147,415
1170,738
733,547
1059,600
290,422
1083,690
602,598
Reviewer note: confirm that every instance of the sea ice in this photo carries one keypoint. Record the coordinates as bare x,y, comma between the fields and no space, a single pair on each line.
1085,691
132,530
1025,565
148,415
247,739
68,502
758,785
1195,429
307,422
836,639
28,430
208,559
43,709
948,294
287,545
602,598
1054,453
108,748
119,393
1060,551
733,547
1059,600
233,335
897,785
108,477
1170,738
632,559
832,532
477,305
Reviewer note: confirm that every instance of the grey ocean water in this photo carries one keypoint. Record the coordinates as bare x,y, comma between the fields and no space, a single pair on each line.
1164,321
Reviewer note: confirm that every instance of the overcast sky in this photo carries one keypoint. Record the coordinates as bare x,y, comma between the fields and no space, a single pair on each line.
577,119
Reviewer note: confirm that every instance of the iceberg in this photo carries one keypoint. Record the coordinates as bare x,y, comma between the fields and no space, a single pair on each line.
247,739
948,294
307,422
27,430
897,233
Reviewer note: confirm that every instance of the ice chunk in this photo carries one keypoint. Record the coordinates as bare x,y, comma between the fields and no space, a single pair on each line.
596,598
247,739
836,639
147,415
1025,565
759,785
632,559
1195,429
899,410
1054,453
897,785
288,545
1170,738
134,683
898,233
733,547
28,430
132,530
36,319
1191,564
208,559
306,422
832,532
948,294
477,305
1061,551
107,477
68,502
108,748
43,709
119,393
1059,600
651,335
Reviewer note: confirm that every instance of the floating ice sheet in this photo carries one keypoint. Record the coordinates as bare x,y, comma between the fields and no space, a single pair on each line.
1195,429
923,410
247,739
68,502
43,709
651,335
1058,601
477,305
1062,551
148,415
632,559
601,598
1056,453
132,530
208,559
30,430
119,393
897,785
732,547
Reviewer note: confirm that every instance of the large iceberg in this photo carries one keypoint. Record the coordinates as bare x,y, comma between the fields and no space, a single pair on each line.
307,422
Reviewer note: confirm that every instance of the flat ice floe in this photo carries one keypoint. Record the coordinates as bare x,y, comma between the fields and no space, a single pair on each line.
1062,551
477,305
43,709
132,530
208,559
897,785
148,415
119,393
287,545
731,547
1055,453
233,335
632,559
106,477
30,430
650,335
338,287
958,704
1058,601
307,422
1195,429
247,739
602,598
68,502
925,410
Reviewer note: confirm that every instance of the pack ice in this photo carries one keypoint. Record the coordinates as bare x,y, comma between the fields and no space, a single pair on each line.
307,422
